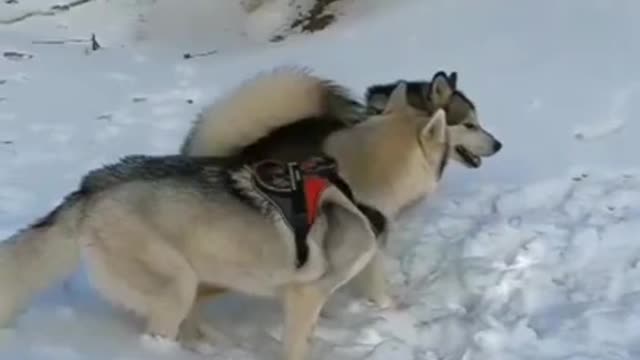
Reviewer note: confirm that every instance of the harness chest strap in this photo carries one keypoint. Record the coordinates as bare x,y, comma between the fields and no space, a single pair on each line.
314,187
295,189
307,192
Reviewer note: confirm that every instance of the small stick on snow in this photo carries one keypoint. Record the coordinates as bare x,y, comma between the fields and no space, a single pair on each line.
59,42
94,43
16,56
187,56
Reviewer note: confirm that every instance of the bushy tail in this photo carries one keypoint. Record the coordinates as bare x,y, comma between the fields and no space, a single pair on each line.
271,100
35,258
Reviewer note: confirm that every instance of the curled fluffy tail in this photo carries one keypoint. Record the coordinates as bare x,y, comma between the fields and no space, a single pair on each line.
35,258
271,100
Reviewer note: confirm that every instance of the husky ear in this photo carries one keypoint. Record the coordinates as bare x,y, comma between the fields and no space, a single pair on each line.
453,80
441,89
378,101
397,99
436,127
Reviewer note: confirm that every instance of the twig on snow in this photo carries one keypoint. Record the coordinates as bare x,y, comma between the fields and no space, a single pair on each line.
92,41
187,56
59,42
16,56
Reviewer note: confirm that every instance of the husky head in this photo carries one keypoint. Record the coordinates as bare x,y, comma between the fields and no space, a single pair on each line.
469,141
433,137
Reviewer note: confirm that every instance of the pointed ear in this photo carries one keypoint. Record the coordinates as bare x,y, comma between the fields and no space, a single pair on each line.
397,99
440,90
453,80
436,127
378,101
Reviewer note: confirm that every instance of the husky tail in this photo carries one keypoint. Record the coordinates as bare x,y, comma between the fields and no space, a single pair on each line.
35,258
268,102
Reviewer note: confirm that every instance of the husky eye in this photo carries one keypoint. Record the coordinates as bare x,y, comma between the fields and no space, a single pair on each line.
470,126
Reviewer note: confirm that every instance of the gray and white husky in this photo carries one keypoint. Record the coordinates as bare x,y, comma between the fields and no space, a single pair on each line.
389,159
469,140
153,230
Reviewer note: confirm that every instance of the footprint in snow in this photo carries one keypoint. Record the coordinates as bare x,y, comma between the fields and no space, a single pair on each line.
615,121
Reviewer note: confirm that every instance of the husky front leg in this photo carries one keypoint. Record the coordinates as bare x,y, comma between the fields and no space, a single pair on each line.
372,282
349,244
302,305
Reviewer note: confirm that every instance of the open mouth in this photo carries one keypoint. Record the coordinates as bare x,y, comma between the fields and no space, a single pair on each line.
469,158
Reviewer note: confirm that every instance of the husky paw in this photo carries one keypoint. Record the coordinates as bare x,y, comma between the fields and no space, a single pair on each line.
159,343
383,302
331,312
199,347
202,338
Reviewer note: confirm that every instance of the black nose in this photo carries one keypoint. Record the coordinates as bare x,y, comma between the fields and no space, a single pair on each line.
497,145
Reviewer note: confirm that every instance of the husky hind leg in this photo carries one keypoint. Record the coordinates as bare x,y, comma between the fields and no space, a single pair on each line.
153,279
195,331
170,307
193,328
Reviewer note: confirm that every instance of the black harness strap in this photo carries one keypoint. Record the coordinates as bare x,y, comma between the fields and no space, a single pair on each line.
284,186
298,216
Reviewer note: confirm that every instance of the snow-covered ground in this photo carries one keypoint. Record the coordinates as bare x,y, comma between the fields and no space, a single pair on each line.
534,256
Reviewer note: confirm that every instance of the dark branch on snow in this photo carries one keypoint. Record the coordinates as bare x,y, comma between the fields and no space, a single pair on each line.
187,56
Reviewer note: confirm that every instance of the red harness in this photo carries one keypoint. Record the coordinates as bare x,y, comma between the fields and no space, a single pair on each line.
295,189
313,189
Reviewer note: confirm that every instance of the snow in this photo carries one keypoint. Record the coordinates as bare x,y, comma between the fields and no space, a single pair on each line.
533,256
